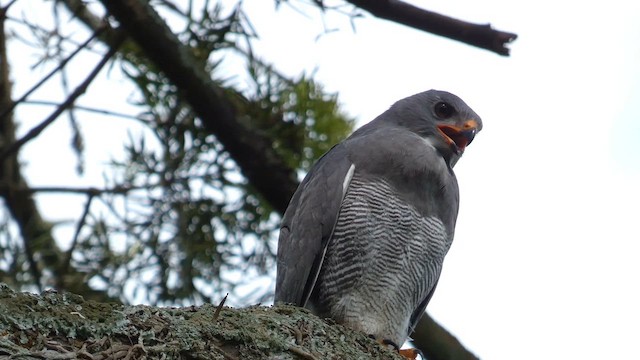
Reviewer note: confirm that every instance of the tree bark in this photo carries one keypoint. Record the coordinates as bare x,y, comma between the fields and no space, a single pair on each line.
437,343
65,326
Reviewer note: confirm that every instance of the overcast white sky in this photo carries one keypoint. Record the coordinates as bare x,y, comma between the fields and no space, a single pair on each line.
545,263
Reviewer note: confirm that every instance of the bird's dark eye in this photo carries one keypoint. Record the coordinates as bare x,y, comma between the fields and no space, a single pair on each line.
444,110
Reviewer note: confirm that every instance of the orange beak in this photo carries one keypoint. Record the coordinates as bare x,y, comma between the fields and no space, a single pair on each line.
460,137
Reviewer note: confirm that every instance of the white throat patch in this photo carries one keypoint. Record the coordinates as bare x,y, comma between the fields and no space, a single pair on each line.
429,142
440,163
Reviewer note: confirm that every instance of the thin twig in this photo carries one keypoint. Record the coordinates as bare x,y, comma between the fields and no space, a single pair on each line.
4,9
76,235
88,109
33,133
92,191
61,65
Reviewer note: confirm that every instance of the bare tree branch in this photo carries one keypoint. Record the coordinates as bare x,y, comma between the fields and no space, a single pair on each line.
90,191
61,65
67,261
6,7
33,133
89,109
482,36
437,343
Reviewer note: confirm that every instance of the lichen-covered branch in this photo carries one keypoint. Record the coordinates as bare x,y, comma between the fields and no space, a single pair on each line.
63,325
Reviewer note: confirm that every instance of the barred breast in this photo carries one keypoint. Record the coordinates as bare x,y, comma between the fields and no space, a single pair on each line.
383,259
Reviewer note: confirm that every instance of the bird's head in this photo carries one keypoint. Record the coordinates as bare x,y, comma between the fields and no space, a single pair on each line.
442,119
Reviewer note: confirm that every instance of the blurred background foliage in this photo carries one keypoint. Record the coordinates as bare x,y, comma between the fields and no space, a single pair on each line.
175,221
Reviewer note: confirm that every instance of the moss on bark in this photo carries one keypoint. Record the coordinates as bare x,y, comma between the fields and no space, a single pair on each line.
65,326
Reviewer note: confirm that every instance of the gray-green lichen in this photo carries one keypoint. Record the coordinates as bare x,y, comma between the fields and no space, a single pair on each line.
65,326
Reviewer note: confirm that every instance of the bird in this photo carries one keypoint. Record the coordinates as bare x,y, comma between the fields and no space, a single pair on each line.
365,234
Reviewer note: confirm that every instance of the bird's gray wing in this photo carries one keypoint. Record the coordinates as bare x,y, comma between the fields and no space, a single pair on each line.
307,226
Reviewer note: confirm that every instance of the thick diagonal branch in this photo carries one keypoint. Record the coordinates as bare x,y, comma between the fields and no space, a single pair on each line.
482,36
252,151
